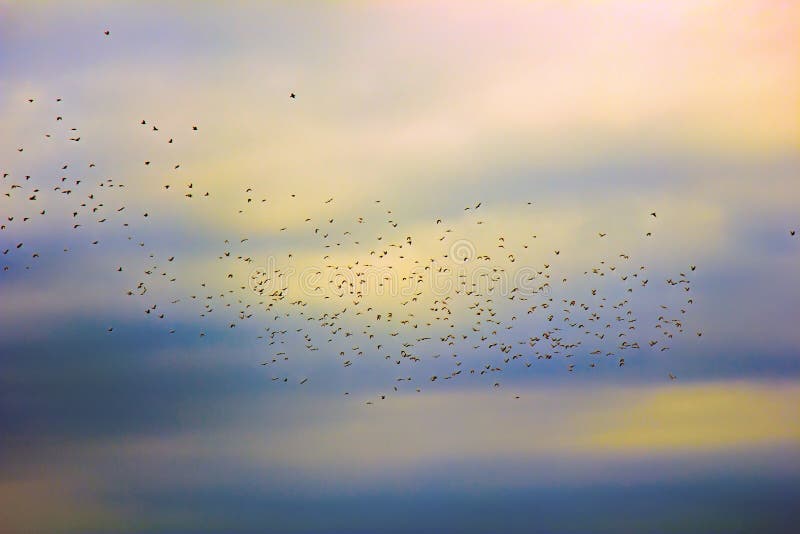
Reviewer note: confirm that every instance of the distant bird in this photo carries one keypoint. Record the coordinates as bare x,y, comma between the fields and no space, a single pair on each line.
495,331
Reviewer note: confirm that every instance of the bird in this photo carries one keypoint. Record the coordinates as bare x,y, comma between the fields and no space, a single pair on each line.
492,325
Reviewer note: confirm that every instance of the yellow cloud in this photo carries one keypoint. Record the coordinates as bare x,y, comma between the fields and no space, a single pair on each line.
695,418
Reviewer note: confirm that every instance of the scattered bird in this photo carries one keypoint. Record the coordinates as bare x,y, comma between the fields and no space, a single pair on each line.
476,329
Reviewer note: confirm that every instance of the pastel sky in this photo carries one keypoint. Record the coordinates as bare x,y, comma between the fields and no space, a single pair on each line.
564,120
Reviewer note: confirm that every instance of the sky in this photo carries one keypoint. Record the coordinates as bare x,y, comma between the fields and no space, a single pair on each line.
526,128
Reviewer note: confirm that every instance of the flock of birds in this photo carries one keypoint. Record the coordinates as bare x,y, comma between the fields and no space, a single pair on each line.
503,308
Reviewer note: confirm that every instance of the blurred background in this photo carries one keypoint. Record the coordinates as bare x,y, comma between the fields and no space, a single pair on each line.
595,113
